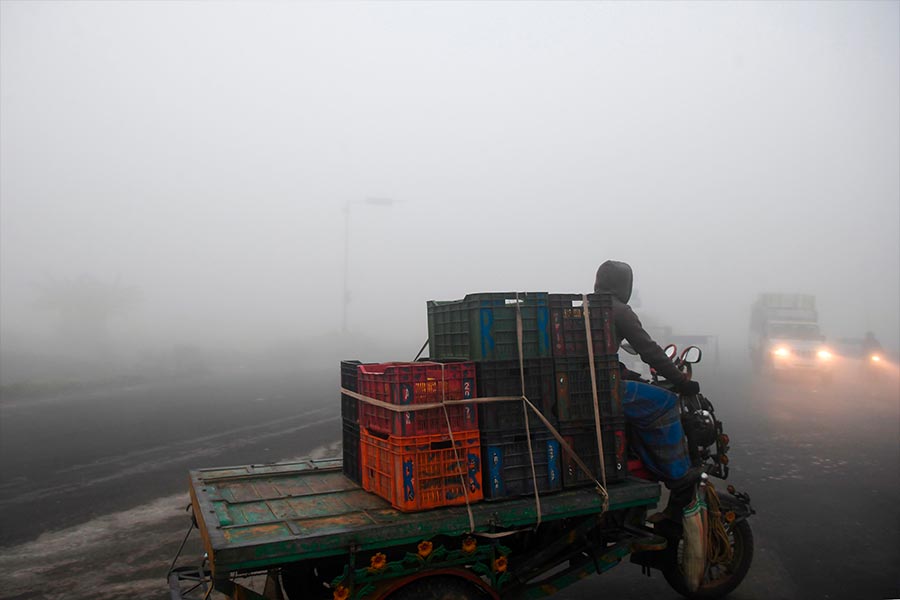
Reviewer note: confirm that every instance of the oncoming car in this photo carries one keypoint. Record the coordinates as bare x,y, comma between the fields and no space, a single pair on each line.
797,347
785,336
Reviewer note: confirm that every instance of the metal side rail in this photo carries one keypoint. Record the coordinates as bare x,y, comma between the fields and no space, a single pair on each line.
196,583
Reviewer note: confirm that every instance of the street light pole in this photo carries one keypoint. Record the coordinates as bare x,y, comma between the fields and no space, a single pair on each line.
346,298
347,205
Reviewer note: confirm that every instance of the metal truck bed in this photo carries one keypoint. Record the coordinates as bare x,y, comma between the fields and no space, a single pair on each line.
257,516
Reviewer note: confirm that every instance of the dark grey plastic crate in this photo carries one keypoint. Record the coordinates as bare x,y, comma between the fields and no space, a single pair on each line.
502,378
507,471
350,443
349,379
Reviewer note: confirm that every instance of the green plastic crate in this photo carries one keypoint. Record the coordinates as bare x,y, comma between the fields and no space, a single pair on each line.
483,326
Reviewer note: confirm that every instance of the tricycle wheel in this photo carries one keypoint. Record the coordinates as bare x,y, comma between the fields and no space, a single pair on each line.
439,587
720,579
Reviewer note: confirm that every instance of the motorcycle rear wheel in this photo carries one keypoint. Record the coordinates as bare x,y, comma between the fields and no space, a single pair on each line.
720,579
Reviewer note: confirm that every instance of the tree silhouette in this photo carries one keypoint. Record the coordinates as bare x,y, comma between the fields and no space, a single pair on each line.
84,306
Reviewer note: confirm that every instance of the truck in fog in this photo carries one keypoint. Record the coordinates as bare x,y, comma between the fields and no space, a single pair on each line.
785,336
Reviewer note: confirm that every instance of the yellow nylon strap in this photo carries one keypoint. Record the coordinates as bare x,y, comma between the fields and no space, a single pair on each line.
585,311
417,407
537,495
485,400
526,404
462,470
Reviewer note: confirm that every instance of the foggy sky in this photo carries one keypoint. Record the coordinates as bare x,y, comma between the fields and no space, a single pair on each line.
204,152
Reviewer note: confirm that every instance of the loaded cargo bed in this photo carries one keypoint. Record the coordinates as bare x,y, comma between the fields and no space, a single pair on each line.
258,516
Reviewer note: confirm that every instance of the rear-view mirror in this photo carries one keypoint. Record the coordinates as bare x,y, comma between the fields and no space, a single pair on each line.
691,354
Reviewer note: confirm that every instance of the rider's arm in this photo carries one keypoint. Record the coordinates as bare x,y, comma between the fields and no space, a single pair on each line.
629,326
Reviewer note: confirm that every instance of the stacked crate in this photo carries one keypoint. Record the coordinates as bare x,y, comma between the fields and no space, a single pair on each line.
412,458
350,421
483,328
574,395
416,473
406,384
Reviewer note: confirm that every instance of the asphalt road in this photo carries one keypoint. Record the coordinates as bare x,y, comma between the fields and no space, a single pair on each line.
93,486
822,466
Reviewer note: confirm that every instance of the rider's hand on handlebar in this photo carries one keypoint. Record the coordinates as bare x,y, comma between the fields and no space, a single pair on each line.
688,387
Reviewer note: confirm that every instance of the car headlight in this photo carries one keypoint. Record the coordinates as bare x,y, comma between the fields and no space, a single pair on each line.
782,351
875,358
824,354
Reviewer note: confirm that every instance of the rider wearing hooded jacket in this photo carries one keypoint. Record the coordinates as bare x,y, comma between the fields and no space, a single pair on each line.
651,411
616,278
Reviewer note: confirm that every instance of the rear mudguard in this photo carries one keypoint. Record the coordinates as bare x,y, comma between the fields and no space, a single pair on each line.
738,503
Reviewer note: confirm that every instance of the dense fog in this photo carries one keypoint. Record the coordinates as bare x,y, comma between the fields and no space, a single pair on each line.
185,185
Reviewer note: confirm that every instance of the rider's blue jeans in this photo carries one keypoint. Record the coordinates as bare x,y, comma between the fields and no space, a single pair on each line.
652,413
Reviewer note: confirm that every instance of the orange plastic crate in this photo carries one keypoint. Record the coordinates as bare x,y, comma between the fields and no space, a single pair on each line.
420,472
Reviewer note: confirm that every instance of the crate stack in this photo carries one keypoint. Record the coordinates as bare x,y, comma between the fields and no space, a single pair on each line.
413,458
463,452
483,328
574,394
350,420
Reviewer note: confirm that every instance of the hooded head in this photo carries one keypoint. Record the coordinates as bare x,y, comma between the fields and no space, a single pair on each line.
616,278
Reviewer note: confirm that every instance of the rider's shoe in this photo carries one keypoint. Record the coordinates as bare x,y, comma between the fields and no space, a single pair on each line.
680,495
687,481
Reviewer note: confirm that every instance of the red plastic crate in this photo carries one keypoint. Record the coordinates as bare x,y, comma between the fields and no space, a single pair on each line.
567,332
432,421
421,472
417,382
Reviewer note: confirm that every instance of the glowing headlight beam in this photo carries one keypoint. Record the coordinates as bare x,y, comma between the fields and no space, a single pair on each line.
824,354
782,351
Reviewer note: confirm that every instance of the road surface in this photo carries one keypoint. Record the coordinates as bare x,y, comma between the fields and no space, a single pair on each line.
93,486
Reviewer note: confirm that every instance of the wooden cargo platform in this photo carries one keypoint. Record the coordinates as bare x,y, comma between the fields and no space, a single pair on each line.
257,516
